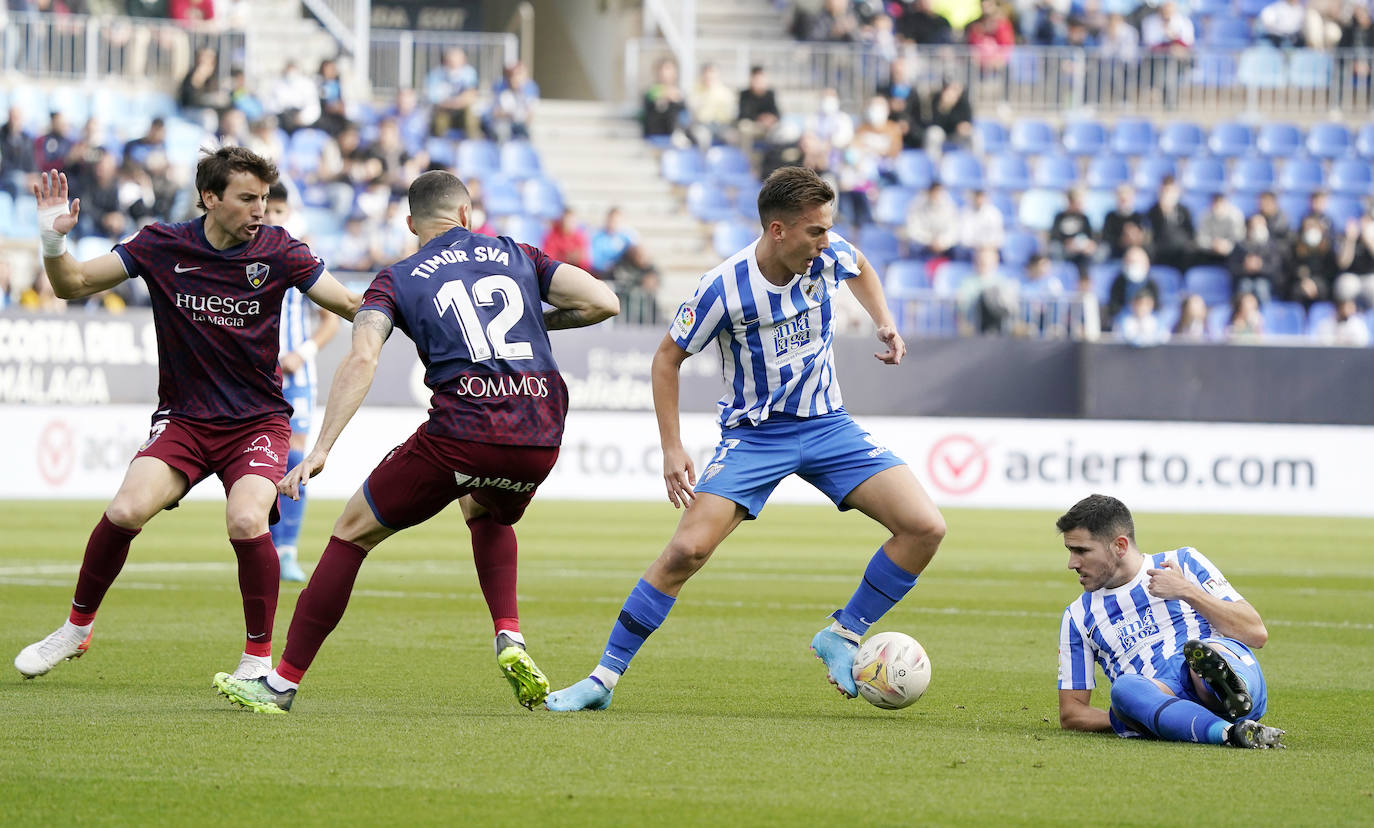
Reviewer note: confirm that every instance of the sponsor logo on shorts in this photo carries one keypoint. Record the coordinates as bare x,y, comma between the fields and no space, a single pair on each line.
156,432
262,444
711,471
878,448
503,483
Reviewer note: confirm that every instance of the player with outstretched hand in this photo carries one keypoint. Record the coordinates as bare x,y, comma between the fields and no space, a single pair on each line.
769,307
1170,633
216,284
472,305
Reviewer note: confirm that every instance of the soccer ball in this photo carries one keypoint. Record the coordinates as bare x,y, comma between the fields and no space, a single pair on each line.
891,670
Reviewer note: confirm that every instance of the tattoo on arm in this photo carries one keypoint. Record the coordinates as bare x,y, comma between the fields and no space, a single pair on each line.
562,318
375,321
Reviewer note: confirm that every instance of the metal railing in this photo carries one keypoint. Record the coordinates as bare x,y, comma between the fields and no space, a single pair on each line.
1209,84
401,59
928,313
91,48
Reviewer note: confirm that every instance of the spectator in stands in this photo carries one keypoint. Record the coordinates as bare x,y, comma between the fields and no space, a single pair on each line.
39,296
137,197
1322,28
609,243
880,37
1347,329
1221,228
147,8
451,89
1282,22
514,99
1041,284
1120,40
101,214
932,221
354,249
1280,228
87,149
831,125
1256,263
200,89
878,137
1168,32
1141,327
991,36
166,190
1246,323
242,98
1134,278
1314,263
1124,226
897,88
566,241
1171,228
265,138
921,25
1357,260
333,107
636,283
191,11
712,108
758,107
411,117
398,166
981,223
1358,34
1192,320
834,23
17,166
1071,234
51,149
154,140
1317,205
664,109
6,284
948,120
294,98
233,128
987,300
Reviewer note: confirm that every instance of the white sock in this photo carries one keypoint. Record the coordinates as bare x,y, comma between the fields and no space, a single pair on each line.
286,553
279,684
77,631
606,676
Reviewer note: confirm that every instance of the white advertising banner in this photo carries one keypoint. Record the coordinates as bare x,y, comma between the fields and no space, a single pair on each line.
82,451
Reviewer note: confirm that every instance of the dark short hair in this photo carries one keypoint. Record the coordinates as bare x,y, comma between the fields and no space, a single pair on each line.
789,191
1103,516
277,192
214,169
437,193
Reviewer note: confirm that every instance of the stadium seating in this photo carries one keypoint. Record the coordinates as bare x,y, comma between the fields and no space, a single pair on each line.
1252,175
542,198
1262,67
729,237
1279,140
961,171
1284,318
682,166
1181,139
949,275
1084,137
907,275
709,203
1364,140
1039,207
1033,137
990,137
1229,140
1327,140
891,206
1204,175
1351,176
879,245
1150,171
1301,175
913,169
1056,172
1213,284
519,160
1107,171
1133,136
1168,280
1008,172
477,157
1018,247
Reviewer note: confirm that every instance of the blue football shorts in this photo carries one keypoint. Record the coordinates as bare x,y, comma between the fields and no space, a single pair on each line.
1175,677
300,395
830,452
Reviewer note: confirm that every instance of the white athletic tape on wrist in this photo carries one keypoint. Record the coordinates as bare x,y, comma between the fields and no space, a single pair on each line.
54,243
308,350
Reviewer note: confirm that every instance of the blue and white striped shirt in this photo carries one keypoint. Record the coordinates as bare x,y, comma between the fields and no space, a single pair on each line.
297,324
775,340
1128,630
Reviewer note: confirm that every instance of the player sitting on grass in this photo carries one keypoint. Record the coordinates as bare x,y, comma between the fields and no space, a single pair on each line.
1170,633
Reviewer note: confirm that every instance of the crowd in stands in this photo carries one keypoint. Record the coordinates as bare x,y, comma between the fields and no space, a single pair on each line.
184,11
347,163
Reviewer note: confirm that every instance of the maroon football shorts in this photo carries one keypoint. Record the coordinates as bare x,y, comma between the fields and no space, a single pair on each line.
231,451
426,473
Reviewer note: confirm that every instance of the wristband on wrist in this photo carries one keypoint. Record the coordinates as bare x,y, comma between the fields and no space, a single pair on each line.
308,350
54,243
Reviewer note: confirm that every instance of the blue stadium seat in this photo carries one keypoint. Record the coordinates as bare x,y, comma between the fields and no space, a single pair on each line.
727,162
1008,172
1229,140
1097,204
682,166
1018,247
525,229
1204,175
1084,137
1214,70
519,160
1342,208
1102,275
1284,318
6,211
709,203
729,237
914,169
322,221
1031,136
949,275
1133,136
1169,281
879,245
1107,171
961,171
989,136
441,151
501,196
747,204
1213,284
1198,203
1004,202
1224,32
1294,206
1301,175
1309,69
892,204
1319,312
1150,171
542,198
1252,175
1247,203
1039,207
1056,172
1251,8
477,157
1279,140
1364,140
1218,317
907,275
1181,139
1351,176
1261,67
1326,140
71,101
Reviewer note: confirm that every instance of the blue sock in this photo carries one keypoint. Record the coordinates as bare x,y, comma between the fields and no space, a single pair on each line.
884,584
287,531
643,612
1166,716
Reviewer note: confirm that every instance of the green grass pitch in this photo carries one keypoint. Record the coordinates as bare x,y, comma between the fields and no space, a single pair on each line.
725,718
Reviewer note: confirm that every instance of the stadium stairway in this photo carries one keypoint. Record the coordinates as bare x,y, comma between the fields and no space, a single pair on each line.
598,157
282,32
750,21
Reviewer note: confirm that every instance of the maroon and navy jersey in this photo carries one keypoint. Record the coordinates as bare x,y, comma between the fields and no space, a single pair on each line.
473,306
217,315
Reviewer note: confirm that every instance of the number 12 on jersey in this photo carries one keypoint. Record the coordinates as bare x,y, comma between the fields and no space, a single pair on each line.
483,344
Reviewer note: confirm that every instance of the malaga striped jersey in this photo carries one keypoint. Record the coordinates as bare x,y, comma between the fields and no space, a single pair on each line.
1128,630
775,340
297,325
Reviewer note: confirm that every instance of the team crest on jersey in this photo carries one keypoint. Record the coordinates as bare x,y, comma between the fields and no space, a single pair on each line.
814,289
686,318
257,273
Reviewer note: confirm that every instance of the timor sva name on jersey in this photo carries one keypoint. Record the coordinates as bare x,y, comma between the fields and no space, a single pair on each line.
450,256
502,386
792,335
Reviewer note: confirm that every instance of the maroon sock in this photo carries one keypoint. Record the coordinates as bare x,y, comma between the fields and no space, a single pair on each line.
106,552
494,554
259,575
320,606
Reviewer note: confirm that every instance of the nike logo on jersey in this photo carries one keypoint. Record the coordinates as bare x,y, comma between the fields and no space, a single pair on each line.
179,269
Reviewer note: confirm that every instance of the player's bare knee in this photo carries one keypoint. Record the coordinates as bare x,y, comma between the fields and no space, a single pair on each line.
127,514
245,523
686,554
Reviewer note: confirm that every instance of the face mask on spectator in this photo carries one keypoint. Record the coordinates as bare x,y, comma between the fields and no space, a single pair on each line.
877,116
1312,236
829,106
1136,272
1259,235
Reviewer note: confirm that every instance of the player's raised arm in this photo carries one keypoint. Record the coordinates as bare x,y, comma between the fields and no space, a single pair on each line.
868,289
351,383
579,299
70,279
330,294
1233,619
679,475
